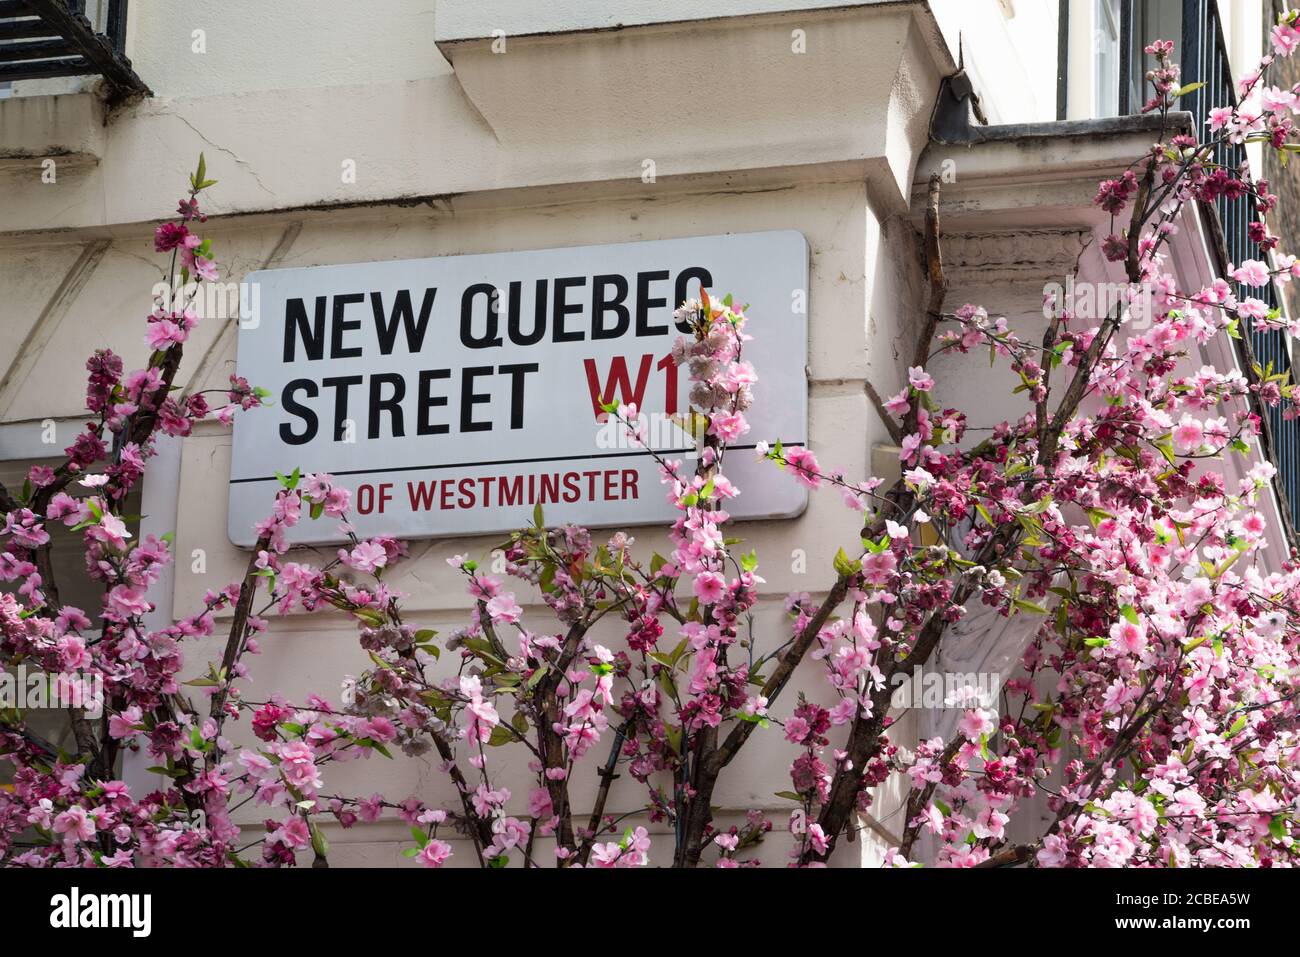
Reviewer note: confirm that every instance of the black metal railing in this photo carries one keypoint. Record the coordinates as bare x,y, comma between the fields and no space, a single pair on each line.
41,39
1203,57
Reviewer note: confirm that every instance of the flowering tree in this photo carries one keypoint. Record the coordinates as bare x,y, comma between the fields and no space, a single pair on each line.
1154,713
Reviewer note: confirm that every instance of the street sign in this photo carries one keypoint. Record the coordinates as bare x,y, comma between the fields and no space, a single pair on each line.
452,395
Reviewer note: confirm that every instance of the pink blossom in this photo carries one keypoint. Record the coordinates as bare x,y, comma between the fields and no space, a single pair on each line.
1252,272
974,724
504,608
709,587
803,465
298,765
879,567
366,557
1189,435
728,426
434,853
899,404
919,379
75,823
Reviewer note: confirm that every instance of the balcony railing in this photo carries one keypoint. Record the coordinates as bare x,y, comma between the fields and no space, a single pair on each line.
42,39
1203,56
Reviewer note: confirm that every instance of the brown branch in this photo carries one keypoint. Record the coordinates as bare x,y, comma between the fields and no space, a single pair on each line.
1133,260
892,427
934,271
480,831
919,798
1049,348
238,636
546,703
607,777
901,497
1016,854
777,680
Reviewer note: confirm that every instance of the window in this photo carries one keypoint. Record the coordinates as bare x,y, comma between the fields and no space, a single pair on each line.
1152,20
1101,63
1106,40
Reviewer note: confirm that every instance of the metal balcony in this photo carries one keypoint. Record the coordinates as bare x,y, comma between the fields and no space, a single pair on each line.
1203,57
40,39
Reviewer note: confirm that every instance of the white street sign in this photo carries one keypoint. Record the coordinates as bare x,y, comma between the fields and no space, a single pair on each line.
452,395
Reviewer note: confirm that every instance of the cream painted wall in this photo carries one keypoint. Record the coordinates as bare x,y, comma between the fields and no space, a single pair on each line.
191,48
548,112
476,19
540,147
285,45
1010,54
859,295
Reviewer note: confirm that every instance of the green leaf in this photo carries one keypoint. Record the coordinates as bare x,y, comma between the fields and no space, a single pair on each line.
501,734
318,842
1130,614
846,566
1097,515
369,616
1188,88
673,733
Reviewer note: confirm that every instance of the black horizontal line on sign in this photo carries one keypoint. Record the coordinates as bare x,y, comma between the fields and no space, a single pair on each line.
473,465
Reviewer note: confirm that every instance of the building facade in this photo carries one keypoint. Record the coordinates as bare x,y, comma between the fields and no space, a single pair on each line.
408,129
